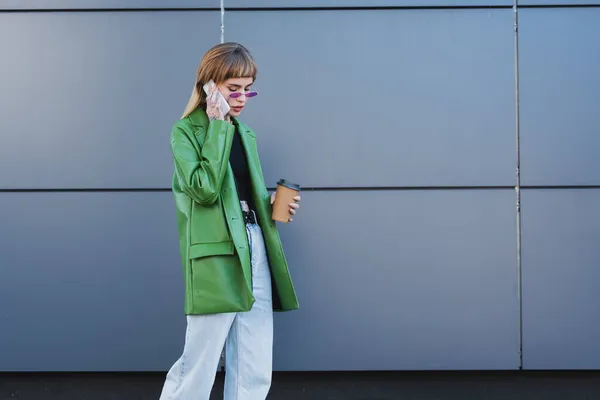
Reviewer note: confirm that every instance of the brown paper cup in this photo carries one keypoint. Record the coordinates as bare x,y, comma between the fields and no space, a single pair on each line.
286,191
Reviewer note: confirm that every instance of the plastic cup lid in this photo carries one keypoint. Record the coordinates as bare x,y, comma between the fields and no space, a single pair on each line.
288,184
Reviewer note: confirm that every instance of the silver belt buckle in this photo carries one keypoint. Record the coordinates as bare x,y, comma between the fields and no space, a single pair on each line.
246,209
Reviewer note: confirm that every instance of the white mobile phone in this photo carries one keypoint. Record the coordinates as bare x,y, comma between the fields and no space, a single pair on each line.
222,102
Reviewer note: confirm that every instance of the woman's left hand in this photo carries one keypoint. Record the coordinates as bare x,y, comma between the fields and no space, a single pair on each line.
293,206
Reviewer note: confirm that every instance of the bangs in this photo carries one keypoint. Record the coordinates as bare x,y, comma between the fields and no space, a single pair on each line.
239,65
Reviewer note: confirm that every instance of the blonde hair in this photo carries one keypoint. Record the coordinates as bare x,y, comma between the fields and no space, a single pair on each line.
223,61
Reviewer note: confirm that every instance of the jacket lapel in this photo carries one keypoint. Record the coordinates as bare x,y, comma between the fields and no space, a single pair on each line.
259,191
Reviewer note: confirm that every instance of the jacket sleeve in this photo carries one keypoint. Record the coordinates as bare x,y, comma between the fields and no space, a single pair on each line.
201,173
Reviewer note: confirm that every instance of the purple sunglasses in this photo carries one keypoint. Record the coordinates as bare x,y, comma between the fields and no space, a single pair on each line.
235,95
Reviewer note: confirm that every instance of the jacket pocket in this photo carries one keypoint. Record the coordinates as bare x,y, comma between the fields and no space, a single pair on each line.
216,279
203,217
200,250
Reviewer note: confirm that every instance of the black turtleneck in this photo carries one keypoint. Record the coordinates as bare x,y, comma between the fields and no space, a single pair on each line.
239,164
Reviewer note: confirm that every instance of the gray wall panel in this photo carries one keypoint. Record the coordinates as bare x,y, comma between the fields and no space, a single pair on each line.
401,280
78,4
557,2
104,4
383,98
560,279
107,128
560,91
211,4
92,281
363,3
83,282
88,99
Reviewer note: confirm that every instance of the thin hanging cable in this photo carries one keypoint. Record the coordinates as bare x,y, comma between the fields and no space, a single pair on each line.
223,356
222,21
518,180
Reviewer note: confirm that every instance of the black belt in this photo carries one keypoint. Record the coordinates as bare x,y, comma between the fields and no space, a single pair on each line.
249,217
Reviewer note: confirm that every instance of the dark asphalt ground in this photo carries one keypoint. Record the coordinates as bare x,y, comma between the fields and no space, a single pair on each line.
320,386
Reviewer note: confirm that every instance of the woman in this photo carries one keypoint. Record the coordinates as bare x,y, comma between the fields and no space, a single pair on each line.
235,271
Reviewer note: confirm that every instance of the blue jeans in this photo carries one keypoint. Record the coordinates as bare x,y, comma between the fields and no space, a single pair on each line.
247,337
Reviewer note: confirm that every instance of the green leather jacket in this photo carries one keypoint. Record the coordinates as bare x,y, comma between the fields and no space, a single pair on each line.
212,234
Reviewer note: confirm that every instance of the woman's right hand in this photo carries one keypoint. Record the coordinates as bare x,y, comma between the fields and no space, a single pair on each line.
213,108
